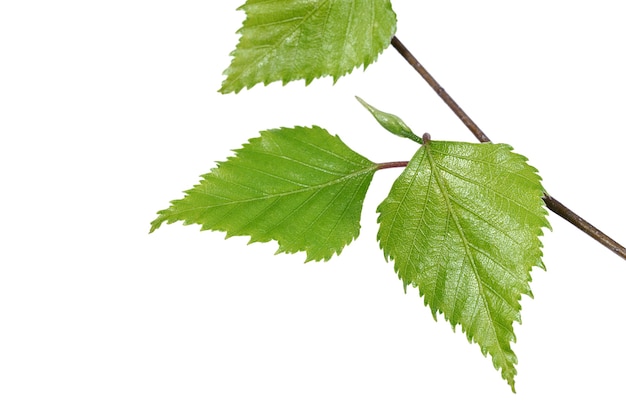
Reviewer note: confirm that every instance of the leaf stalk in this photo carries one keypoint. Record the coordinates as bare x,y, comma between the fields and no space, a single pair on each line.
388,165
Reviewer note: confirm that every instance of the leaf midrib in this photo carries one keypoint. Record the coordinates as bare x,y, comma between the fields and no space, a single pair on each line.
466,244
309,188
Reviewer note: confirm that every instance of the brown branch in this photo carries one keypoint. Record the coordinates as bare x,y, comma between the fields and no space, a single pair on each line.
469,123
552,203
558,208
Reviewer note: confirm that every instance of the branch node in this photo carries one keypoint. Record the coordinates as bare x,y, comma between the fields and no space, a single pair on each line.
551,202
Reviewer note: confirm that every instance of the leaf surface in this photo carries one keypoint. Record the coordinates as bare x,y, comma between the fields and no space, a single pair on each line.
299,186
462,224
307,39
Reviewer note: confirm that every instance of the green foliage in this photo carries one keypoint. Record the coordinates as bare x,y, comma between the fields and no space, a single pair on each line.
307,39
300,186
391,123
462,223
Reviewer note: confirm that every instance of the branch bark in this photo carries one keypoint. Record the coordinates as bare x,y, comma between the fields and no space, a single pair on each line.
553,204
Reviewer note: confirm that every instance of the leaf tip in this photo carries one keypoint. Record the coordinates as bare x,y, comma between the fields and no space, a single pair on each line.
156,223
229,87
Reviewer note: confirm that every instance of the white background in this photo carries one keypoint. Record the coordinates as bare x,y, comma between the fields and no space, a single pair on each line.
108,110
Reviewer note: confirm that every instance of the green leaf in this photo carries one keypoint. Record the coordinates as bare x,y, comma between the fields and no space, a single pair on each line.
391,123
462,223
307,39
299,186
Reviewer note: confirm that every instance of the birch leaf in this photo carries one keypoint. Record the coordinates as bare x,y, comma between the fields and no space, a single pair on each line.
462,224
288,40
301,187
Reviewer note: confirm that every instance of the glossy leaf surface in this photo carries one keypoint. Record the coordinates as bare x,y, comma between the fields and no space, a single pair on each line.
462,224
306,39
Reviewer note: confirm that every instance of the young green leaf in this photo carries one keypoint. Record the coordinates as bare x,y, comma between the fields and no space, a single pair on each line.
299,186
391,123
303,39
462,223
